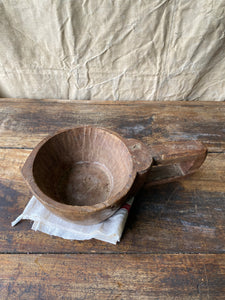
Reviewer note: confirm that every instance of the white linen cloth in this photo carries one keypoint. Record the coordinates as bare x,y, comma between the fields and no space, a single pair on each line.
45,221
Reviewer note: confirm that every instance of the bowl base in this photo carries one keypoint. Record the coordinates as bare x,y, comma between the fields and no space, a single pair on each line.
84,183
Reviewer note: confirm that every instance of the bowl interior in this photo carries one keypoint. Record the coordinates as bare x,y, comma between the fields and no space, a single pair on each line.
82,166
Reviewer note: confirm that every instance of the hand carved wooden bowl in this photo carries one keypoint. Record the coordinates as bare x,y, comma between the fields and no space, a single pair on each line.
86,173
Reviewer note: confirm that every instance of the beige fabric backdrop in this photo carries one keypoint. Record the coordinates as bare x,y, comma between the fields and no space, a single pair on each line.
113,49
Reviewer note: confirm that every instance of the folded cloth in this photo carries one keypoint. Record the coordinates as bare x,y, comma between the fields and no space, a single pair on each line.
45,221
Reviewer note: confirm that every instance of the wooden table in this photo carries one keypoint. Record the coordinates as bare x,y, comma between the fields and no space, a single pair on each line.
173,245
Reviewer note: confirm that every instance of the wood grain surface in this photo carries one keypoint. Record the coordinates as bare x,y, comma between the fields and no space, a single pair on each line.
121,276
173,246
25,122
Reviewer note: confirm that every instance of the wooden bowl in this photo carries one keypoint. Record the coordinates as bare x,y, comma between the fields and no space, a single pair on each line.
82,174
85,174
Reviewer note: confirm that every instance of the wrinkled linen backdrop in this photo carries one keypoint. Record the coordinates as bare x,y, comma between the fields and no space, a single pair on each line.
113,49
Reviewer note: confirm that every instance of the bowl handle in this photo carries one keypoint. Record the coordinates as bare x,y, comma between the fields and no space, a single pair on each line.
173,160
162,163
142,160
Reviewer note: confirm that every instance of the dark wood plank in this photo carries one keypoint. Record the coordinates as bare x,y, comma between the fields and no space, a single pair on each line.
186,216
25,122
112,276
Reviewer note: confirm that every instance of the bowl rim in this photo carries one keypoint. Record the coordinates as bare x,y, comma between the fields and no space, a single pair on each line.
110,202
